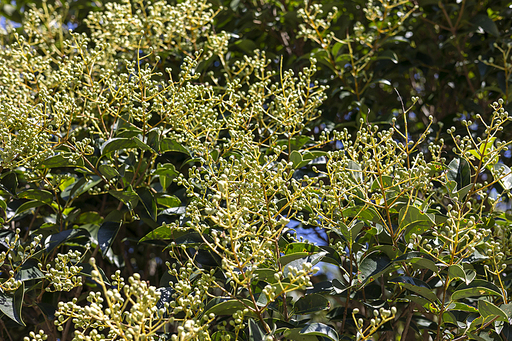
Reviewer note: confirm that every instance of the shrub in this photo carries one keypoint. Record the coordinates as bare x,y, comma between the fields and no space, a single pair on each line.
156,186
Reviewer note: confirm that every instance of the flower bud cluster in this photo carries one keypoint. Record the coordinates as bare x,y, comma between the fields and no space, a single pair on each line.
15,256
41,336
64,273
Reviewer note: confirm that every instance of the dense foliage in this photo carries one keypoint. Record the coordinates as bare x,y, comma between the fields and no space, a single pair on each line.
246,171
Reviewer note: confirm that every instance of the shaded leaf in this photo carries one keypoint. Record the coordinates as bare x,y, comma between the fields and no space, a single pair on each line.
9,183
298,263
54,240
486,23
311,303
148,201
416,285
255,332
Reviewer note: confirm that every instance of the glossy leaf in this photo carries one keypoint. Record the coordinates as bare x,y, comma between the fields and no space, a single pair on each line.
120,143
169,145
415,285
229,307
106,235
10,304
488,309
320,329
163,232
127,197
460,172
373,265
148,201
167,200
29,271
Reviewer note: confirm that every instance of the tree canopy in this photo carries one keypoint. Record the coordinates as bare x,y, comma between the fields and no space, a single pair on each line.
255,170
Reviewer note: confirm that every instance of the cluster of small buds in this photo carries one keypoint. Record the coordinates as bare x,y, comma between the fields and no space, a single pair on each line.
381,316
20,253
316,24
107,310
41,336
64,273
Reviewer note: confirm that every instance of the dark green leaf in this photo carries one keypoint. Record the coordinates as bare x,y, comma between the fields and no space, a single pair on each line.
168,145
106,235
148,201
87,270
9,182
310,303
255,332
415,285
10,305
486,23
27,206
373,265
460,172
320,329
108,171
166,173
229,307
57,239
29,270
120,143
